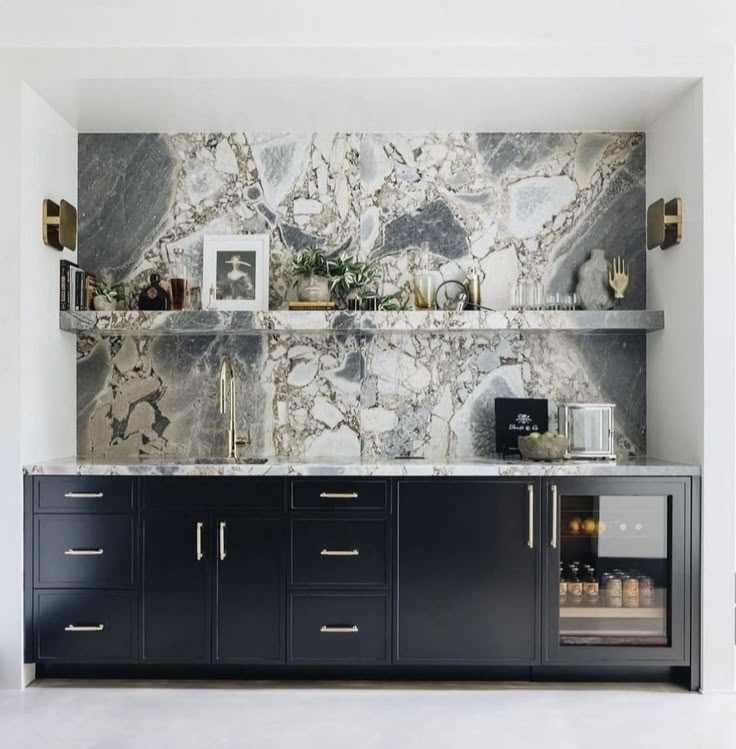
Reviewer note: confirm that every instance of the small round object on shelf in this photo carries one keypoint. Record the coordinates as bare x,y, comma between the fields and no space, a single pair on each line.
574,525
590,526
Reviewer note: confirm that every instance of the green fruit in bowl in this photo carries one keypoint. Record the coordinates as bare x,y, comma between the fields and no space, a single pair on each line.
534,435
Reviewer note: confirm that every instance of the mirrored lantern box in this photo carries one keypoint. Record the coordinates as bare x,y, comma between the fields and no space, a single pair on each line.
589,429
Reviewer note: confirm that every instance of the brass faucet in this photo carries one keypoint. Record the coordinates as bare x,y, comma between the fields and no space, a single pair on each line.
227,393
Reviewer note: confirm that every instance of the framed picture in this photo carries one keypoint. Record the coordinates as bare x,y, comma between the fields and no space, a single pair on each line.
235,272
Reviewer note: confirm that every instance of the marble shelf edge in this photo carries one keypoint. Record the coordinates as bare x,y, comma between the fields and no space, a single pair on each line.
361,323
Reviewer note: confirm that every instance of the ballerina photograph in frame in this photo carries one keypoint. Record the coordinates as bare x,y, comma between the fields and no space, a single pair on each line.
235,272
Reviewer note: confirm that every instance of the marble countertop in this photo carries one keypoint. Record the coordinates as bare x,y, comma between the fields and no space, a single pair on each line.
172,466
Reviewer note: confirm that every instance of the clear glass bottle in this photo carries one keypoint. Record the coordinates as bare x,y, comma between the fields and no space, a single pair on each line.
178,279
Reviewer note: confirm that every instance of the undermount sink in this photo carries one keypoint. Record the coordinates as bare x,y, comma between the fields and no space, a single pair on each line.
233,461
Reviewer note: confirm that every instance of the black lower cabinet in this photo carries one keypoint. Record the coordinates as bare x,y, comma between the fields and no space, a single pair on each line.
249,608
466,572
86,626
335,628
176,586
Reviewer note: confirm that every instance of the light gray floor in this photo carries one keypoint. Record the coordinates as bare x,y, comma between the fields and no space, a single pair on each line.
57,715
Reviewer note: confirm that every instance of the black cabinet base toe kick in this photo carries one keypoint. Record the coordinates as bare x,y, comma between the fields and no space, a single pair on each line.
400,579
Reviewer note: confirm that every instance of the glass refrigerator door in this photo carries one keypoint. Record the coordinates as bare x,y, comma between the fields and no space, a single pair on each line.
615,571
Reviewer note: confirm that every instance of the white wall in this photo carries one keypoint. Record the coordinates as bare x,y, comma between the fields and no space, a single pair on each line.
38,151
11,537
675,367
719,383
690,365
48,356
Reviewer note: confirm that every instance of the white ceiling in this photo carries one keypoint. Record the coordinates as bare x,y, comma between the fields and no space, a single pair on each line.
387,104
101,23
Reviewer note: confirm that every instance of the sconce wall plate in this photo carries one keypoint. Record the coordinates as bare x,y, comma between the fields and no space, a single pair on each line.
59,225
664,223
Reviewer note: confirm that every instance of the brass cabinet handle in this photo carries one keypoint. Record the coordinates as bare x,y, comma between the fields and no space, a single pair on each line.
339,552
223,552
84,552
84,495
338,495
530,536
330,630
553,539
199,541
84,628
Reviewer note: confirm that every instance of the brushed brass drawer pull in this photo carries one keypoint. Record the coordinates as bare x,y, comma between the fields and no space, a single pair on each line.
339,552
84,552
84,495
329,630
199,541
223,552
338,495
84,628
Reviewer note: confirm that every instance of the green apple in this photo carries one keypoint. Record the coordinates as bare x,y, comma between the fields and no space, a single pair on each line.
534,435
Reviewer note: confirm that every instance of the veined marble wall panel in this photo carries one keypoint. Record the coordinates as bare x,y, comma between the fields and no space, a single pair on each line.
522,205
340,396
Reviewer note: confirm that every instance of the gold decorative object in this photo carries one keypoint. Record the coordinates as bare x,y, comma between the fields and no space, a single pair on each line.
59,225
664,223
618,277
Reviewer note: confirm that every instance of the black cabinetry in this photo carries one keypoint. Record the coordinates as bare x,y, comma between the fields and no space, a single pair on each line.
346,575
466,571
213,570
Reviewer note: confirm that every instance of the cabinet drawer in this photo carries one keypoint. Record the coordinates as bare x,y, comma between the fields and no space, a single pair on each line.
338,552
338,628
92,626
338,494
84,550
213,492
84,494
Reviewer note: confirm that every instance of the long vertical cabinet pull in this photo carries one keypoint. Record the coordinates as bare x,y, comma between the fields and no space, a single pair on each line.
223,552
553,539
530,537
199,541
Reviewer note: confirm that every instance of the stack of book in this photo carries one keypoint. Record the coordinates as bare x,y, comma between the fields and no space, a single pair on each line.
76,287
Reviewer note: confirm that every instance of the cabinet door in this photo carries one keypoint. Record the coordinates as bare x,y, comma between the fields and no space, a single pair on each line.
176,586
466,571
250,589
616,571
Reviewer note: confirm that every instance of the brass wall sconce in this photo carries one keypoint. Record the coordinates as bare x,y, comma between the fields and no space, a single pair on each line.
59,225
664,223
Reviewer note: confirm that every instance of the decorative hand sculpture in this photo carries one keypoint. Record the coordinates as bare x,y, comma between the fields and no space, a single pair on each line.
618,277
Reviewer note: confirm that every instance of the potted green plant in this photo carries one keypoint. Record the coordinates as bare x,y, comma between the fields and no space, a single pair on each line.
311,272
105,297
351,279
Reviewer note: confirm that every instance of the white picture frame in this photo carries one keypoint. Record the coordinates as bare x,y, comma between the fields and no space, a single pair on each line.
235,268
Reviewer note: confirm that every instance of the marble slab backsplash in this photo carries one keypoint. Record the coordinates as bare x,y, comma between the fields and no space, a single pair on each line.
344,396
523,205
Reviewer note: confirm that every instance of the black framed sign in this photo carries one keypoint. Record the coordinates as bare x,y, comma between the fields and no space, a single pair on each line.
517,417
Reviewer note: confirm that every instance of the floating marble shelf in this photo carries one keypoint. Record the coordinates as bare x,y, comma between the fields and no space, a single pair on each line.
356,323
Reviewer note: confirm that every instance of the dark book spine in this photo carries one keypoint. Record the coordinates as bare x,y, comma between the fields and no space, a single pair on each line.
64,286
